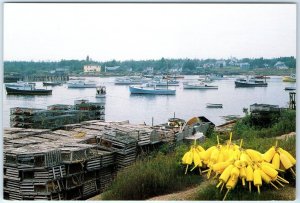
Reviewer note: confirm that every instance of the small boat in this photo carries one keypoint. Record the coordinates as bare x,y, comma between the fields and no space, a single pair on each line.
291,78
216,77
176,77
165,82
261,77
51,83
101,92
150,89
290,88
131,80
252,82
27,89
206,79
210,105
81,84
200,85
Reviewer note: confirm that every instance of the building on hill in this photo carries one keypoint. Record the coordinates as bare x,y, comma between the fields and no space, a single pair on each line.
92,69
244,65
220,64
280,65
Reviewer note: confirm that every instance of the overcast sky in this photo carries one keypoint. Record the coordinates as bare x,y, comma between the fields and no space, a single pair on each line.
148,31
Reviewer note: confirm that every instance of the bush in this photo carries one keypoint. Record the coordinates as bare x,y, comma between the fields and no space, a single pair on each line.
151,177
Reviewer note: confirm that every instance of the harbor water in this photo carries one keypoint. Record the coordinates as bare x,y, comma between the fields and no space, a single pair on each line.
187,103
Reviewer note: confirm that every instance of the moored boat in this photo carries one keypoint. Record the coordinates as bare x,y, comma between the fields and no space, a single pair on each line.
252,82
210,105
290,88
200,85
27,89
51,83
81,84
166,83
133,80
101,92
291,78
148,89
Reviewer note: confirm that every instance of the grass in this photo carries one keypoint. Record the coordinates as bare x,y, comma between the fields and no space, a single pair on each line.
284,124
150,177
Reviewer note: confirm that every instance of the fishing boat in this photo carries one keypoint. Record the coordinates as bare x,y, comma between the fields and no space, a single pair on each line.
205,78
133,80
291,78
200,85
165,83
216,77
150,89
210,105
252,82
81,84
51,83
101,92
27,89
290,88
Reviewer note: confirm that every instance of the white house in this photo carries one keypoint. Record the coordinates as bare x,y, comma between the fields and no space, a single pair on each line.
91,68
244,65
221,63
280,65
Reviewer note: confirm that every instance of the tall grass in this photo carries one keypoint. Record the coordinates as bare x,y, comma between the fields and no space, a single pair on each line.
151,177
284,124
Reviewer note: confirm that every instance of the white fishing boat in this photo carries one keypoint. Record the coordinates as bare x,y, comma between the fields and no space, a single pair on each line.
133,80
101,92
166,83
200,85
150,89
81,84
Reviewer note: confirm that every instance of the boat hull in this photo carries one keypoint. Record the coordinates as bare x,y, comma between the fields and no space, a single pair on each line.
139,90
199,87
245,84
290,88
100,96
28,92
51,83
128,83
81,86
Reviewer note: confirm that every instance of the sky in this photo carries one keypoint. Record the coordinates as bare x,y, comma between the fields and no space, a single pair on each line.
51,32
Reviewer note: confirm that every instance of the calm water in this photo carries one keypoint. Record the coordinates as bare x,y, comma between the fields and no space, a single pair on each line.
120,105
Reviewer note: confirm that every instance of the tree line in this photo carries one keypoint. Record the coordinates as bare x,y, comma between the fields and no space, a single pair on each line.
163,65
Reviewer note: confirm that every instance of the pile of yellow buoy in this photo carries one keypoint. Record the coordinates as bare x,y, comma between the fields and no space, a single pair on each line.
230,162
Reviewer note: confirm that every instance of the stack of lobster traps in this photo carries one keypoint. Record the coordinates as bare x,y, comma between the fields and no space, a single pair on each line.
56,116
75,161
